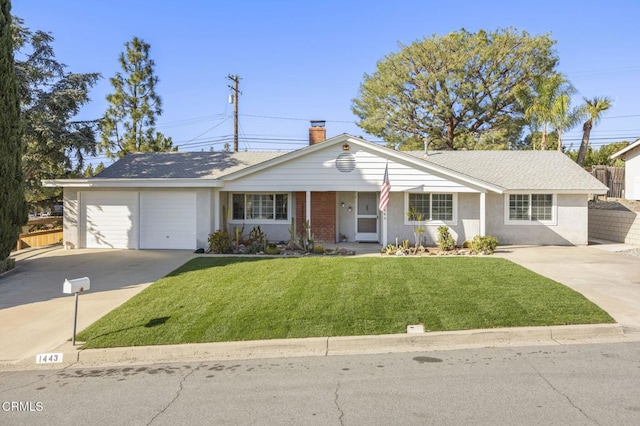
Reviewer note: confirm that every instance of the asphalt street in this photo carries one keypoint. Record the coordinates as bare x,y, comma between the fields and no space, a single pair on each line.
568,385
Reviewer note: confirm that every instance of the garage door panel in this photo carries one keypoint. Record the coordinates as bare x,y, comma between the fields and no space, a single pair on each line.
168,220
109,219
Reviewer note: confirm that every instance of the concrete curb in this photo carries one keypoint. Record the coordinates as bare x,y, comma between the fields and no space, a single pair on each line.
516,336
334,346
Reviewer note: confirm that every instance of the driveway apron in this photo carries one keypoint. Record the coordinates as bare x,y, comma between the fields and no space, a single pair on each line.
35,316
611,280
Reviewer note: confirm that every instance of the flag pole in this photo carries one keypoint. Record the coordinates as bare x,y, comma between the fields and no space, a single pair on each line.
384,202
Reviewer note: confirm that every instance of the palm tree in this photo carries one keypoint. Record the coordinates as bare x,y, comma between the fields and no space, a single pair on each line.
549,105
563,116
593,109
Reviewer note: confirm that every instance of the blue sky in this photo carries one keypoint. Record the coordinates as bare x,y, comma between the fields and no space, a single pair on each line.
305,60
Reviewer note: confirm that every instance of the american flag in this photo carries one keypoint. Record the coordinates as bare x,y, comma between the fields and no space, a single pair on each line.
384,192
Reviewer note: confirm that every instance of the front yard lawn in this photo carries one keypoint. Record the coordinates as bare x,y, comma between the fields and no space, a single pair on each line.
214,299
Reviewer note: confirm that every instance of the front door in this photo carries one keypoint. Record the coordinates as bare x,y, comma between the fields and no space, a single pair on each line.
367,216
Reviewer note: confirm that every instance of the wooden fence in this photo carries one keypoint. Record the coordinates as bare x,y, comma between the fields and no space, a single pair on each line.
613,177
39,238
52,233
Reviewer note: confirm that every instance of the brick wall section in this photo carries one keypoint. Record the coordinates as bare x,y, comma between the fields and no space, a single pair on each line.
614,225
323,215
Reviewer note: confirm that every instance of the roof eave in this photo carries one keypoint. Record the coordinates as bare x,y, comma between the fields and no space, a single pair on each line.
625,150
586,191
132,182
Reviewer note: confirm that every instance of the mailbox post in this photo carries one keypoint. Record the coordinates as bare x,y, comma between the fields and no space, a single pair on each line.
76,286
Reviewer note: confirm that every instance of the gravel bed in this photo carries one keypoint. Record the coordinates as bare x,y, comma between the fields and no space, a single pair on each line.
631,252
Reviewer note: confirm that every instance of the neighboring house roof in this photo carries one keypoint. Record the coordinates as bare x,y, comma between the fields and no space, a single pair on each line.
517,170
623,151
183,165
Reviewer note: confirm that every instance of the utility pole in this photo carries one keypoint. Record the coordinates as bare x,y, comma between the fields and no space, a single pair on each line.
236,92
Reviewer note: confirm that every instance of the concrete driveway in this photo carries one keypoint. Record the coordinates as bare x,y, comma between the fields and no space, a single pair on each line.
609,279
36,317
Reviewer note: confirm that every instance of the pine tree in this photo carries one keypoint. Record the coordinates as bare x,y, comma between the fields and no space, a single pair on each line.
13,207
128,125
88,172
99,168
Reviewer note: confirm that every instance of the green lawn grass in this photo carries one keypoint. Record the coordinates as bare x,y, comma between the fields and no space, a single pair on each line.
213,299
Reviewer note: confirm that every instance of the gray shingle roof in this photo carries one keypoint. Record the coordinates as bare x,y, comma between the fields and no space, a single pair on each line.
511,170
183,165
517,170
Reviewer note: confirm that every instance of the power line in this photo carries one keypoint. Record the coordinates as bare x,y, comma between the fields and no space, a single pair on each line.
602,138
622,116
191,121
294,119
208,130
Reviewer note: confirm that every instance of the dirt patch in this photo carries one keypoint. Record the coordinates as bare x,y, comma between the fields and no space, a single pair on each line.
619,204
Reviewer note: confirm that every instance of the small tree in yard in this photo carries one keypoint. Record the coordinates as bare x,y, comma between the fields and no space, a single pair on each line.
416,218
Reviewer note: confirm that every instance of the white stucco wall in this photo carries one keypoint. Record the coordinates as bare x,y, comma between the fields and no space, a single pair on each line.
204,216
632,174
70,215
466,226
571,228
346,220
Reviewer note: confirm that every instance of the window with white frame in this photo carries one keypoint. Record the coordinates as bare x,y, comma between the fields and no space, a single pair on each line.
260,206
531,208
430,207
442,207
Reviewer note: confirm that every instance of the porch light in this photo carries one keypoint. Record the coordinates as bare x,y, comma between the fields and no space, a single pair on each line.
345,147
342,204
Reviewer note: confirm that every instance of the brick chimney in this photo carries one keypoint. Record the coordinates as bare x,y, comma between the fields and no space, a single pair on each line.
317,132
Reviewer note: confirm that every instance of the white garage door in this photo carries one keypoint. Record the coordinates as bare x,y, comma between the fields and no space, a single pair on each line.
109,219
168,220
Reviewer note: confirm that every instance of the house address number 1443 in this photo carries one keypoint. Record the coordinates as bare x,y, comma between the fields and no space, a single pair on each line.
50,358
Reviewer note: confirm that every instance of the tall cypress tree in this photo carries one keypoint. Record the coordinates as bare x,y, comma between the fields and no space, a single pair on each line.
13,207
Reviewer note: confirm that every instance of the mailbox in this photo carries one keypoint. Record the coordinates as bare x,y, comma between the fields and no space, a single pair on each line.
76,286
